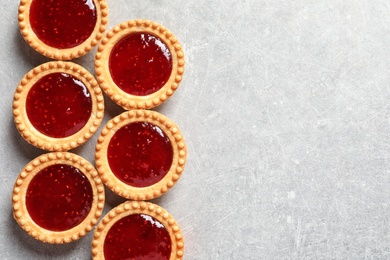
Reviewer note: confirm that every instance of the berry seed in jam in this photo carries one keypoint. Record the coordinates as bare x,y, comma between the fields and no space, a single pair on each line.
58,105
140,64
59,197
140,154
63,24
137,236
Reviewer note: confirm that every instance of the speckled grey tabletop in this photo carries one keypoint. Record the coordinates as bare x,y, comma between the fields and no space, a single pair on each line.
284,106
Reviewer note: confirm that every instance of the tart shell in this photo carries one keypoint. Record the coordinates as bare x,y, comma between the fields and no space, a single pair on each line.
125,100
129,208
40,140
157,189
22,216
62,54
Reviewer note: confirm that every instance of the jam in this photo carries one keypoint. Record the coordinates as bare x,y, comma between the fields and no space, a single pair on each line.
140,154
58,105
140,64
63,24
137,236
59,197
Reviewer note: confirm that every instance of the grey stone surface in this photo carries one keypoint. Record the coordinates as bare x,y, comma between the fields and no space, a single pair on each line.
285,109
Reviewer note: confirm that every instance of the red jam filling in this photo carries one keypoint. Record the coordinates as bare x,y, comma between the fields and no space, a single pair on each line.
63,24
140,154
58,105
59,197
140,64
137,236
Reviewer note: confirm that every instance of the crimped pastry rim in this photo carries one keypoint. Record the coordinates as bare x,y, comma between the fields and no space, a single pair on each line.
40,140
103,75
20,211
132,207
62,54
179,155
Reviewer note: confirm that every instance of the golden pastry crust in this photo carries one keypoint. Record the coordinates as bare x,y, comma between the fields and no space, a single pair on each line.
129,208
103,74
22,216
62,54
157,189
40,140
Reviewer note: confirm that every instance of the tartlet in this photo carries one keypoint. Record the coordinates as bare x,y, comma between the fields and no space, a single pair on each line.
140,154
139,64
58,198
63,29
58,106
138,230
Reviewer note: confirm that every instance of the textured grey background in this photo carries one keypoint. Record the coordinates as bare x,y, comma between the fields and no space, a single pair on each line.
285,109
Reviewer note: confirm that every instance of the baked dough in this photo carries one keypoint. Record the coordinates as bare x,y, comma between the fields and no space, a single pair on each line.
157,189
128,208
21,213
103,75
40,140
62,54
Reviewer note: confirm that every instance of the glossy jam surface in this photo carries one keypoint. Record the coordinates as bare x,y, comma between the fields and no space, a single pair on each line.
140,154
59,197
137,236
63,24
58,105
140,64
